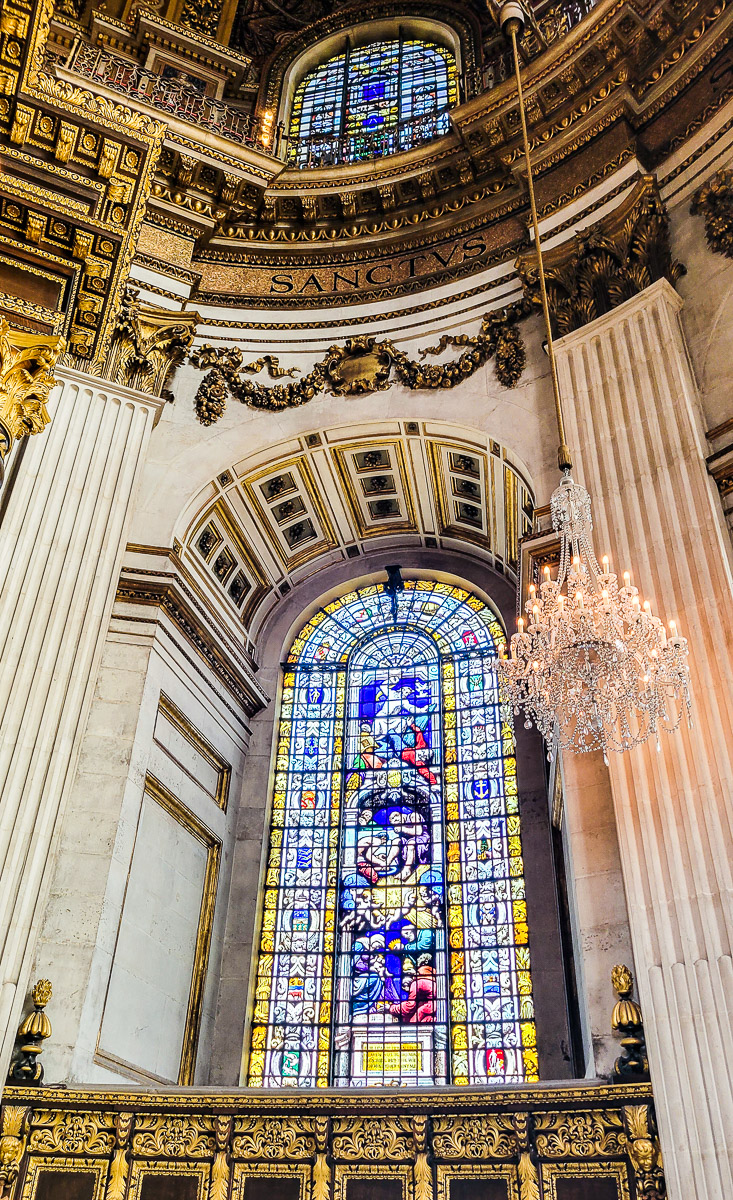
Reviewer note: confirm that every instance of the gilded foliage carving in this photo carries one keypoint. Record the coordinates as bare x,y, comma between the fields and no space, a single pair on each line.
13,1136
72,1132
119,1166
273,1138
484,1136
362,365
579,1134
372,1139
644,1152
595,272
147,345
220,1168
188,1136
714,201
26,378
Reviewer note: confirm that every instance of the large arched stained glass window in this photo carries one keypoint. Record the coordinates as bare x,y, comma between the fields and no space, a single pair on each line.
372,100
394,944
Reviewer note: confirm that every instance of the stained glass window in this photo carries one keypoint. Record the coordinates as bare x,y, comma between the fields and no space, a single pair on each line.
394,945
372,100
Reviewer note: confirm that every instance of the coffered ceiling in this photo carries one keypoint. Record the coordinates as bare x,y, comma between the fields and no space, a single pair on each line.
332,495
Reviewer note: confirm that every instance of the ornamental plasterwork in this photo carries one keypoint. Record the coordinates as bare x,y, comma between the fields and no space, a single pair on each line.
372,1139
714,201
26,379
72,1132
173,1137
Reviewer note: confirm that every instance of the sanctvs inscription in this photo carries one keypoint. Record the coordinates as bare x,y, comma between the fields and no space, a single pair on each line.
310,281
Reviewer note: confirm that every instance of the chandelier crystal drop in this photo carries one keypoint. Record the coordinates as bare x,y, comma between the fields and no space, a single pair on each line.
592,667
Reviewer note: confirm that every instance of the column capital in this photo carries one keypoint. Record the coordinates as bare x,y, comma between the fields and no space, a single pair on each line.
601,268
27,362
147,345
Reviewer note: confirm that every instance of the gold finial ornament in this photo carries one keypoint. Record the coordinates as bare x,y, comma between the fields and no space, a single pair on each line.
26,378
627,1019
32,1033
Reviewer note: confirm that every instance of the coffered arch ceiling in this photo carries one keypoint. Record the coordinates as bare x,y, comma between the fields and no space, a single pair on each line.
272,520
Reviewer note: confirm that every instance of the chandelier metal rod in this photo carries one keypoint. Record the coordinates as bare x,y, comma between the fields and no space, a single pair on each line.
513,24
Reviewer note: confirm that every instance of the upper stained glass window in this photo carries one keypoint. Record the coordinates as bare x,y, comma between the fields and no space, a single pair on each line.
394,945
372,100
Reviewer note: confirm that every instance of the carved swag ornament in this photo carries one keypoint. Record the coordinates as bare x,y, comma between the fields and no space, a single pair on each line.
595,272
362,365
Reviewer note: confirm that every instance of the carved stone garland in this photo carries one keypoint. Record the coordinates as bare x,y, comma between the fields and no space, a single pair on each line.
714,201
362,365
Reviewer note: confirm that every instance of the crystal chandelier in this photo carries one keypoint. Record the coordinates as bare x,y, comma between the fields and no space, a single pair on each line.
591,667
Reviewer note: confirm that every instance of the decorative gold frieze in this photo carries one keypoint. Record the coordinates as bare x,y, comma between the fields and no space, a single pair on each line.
591,1134
273,1138
147,344
594,272
372,1139
363,365
187,1136
72,1132
714,201
26,378
474,1136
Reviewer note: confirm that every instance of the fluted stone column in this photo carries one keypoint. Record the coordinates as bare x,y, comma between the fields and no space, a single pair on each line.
61,540
634,420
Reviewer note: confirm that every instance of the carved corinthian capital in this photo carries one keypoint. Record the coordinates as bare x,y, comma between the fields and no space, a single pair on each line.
714,201
26,378
148,343
601,268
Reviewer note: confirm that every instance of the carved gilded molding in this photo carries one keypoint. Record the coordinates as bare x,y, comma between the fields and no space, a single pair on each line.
714,201
27,361
361,366
528,1137
596,271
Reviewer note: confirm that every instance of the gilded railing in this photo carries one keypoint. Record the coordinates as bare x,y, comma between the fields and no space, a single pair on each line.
597,1142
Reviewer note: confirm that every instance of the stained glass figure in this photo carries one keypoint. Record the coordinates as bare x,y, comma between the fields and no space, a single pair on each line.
394,946
372,100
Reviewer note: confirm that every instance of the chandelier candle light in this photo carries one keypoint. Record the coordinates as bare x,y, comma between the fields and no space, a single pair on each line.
591,666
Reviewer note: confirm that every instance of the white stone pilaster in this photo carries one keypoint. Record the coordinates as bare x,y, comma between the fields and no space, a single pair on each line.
634,421
61,541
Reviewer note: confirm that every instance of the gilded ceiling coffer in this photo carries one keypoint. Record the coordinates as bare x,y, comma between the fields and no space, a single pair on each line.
27,361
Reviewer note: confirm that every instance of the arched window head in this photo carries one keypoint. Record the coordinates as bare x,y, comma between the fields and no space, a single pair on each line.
394,944
372,100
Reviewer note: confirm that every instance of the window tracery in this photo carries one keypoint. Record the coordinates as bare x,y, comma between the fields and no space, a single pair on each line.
372,100
394,943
